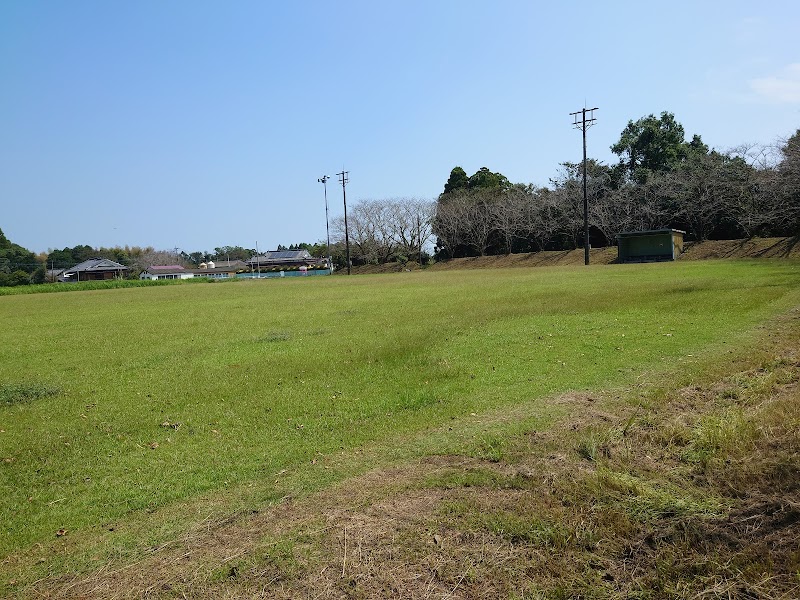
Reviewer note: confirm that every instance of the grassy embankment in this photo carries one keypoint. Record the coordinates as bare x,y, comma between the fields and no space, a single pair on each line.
128,416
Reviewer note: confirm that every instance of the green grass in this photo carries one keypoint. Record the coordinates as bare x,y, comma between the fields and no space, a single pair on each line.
267,377
111,284
13,393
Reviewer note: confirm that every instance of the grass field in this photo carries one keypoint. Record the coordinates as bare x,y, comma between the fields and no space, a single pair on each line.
129,416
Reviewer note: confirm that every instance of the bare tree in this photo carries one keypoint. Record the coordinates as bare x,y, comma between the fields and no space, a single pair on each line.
507,214
787,183
542,217
412,220
452,213
463,222
381,229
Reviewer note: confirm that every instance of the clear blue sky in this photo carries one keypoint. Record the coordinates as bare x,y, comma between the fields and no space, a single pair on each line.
199,124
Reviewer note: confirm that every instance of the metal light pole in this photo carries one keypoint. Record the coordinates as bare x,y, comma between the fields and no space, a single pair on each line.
323,180
343,180
583,125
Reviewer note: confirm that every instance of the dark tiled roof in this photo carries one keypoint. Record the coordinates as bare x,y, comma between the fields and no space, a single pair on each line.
96,264
281,256
170,268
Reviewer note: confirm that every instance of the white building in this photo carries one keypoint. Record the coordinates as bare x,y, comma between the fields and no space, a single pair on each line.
166,272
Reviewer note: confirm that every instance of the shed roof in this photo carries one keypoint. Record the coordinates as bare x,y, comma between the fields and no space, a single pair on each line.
648,232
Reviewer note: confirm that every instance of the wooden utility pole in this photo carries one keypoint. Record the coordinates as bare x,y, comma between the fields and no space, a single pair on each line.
343,180
583,125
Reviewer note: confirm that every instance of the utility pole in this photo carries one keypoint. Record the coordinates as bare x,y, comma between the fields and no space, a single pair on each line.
343,179
583,125
323,180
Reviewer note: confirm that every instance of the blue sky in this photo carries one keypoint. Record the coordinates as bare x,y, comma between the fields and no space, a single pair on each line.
198,124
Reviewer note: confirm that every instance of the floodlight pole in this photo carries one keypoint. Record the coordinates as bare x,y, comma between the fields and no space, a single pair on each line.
323,180
583,125
343,179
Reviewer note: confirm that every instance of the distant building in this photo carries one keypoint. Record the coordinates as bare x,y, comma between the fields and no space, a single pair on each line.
166,272
228,265
286,259
650,246
94,269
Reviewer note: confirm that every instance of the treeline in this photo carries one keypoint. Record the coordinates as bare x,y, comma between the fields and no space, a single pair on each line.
660,181
17,264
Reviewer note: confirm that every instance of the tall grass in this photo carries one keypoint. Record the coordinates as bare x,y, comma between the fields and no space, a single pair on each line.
170,392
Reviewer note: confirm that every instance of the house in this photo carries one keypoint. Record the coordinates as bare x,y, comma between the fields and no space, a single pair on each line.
280,260
94,269
650,246
166,272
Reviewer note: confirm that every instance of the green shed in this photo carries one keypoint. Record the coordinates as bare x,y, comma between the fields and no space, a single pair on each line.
650,246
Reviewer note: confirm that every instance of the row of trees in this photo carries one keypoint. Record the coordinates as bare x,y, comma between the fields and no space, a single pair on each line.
660,181
381,231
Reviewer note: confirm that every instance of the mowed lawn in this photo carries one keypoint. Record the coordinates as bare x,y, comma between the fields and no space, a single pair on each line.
152,397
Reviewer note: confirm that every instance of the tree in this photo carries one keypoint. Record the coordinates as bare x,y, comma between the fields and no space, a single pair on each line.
14,257
232,253
653,145
464,222
18,277
483,178
197,257
542,218
371,241
39,275
508,214
474,203
69,257
318,249
788,182
449,222
411,221
458,180
569,184
382,230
